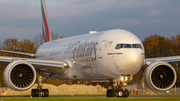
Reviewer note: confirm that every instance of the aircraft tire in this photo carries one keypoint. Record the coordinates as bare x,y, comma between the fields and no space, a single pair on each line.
110,93
46,92
34,92
121,93
126,93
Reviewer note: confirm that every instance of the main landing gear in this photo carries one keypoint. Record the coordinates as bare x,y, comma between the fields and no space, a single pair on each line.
117,90
39,92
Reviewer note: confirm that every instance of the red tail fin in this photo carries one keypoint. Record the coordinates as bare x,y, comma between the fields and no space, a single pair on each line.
45,27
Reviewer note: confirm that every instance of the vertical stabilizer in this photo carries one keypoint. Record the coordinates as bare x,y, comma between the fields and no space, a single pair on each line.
45,27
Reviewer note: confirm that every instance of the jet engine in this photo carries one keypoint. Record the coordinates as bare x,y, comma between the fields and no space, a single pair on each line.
19,75
160,76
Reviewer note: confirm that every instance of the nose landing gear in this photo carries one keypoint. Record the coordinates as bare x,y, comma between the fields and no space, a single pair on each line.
123,93
116,91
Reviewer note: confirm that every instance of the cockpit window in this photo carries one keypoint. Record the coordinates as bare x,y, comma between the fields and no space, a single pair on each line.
139,45
135,46
119,46
127,46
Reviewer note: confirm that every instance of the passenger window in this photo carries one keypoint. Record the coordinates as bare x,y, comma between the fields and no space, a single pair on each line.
127,46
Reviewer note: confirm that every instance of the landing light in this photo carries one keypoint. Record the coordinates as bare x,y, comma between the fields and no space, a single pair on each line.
122,78
65,64
125,78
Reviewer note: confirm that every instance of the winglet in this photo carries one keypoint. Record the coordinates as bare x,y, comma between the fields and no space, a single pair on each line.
45,27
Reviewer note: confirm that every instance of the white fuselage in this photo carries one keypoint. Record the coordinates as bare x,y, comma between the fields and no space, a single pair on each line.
96,56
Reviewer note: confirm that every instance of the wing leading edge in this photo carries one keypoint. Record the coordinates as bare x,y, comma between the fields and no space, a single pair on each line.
43,65
148,61
18,53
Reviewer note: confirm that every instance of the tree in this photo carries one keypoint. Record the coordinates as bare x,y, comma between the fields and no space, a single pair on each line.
20,46
158,46
54,36
176,42
38,39
15,45
10,44
26,46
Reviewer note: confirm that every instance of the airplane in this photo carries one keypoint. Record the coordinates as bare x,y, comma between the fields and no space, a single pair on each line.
114,55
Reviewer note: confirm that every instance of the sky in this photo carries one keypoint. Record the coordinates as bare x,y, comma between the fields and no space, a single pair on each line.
22,19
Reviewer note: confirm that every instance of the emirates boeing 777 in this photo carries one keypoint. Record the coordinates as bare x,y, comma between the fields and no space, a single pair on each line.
114,55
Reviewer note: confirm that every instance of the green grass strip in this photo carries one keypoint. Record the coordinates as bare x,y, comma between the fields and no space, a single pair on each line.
88,99
84,95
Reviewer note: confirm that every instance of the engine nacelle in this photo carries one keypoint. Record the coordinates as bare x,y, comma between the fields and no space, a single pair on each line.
19,75
160,76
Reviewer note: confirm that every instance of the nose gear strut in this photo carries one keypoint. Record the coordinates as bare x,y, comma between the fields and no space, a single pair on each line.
117,89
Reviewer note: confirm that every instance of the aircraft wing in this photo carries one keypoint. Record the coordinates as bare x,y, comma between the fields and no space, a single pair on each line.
148,61
18,53
43,65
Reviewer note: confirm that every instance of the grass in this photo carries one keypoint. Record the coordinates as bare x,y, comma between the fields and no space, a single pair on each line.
88,99
71,98
84,95
158,95
78,95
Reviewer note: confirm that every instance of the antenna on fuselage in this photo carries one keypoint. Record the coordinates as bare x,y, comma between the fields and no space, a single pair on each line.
45,26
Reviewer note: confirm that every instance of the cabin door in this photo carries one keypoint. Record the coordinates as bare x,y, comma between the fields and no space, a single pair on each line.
101,48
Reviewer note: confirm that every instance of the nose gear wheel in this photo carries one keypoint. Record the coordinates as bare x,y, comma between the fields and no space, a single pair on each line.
116,91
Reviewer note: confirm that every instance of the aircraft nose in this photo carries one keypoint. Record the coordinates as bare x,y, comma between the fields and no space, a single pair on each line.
132,57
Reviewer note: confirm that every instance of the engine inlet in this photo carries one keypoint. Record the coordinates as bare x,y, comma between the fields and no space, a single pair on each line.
162,76
21,75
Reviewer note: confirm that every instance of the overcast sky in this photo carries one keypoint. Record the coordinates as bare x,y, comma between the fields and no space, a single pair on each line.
21,19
